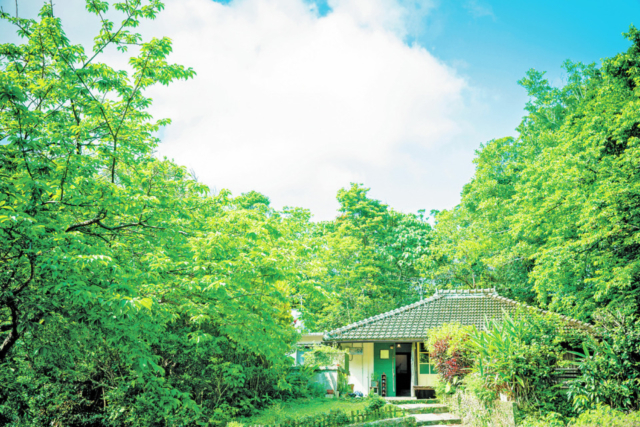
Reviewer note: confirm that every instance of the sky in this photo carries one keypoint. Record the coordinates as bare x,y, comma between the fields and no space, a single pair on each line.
298,98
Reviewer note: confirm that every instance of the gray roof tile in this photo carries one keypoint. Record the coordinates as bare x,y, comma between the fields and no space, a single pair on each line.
411,322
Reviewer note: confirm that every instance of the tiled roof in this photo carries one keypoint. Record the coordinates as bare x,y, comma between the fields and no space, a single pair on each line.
411,322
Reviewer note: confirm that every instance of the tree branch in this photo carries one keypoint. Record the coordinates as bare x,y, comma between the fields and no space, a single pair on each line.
98,221
13,336
101,215
31,275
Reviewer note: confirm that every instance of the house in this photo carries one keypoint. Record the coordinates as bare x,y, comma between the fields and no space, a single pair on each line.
387,353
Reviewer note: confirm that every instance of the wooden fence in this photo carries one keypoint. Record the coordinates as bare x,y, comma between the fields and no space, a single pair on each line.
341,418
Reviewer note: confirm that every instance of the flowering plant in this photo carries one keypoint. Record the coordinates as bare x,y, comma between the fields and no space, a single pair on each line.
451,352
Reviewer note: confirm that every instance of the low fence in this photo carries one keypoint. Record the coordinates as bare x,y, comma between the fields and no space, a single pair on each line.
341,418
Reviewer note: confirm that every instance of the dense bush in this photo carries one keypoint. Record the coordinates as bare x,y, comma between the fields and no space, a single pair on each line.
605,416
212,382
375,402
610,366
519,357
602,415
451,351
376,409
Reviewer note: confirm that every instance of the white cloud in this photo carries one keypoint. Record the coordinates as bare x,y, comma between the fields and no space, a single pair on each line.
295,105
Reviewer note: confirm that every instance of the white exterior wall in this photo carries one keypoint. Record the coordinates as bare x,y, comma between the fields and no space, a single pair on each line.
327,377
360,367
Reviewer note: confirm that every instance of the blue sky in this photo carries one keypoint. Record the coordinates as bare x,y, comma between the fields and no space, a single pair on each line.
498,41
298,98
491,44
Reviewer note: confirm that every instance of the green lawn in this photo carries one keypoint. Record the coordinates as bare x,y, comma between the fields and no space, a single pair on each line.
302,408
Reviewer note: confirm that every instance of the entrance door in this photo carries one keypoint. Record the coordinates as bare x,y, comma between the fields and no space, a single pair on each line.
384,363
403,369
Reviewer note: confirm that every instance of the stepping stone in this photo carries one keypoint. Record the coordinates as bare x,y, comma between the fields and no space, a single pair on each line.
436,419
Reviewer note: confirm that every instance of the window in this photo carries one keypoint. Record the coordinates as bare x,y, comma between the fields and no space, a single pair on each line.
384,354
426,367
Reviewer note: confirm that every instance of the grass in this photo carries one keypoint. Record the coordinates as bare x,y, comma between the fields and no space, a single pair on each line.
302,408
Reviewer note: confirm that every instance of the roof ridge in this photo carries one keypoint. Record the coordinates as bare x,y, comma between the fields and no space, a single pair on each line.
490,291
553,313
385,314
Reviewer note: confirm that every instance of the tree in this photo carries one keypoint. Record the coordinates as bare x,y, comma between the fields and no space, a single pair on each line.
128,293
552,216
367,261
77,138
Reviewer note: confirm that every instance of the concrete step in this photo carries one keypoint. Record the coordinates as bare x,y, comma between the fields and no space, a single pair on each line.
423,408
427,401
436,419
402,401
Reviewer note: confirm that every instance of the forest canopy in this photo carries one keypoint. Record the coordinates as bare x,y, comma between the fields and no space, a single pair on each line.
552,217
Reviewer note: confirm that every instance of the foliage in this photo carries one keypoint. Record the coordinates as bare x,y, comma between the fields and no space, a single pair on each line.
475,384
605,416
129,294
601,415
610,367
549,419
451,351
478,406
395,422
302,408
324,355
330,412
301,380
375,402
338,417
519,357
551,217
365,262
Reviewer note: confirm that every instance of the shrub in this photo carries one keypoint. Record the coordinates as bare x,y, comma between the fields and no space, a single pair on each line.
605,416
550,419
518,357
451,351
610,369
375,403
300,379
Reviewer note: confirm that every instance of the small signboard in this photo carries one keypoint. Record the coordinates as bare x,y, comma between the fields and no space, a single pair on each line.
355,351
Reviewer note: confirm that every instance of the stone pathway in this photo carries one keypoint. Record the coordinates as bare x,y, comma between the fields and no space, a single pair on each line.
437,419
430,414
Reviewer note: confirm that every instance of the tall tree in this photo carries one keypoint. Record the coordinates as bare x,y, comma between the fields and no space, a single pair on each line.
552,215
128,293
370,259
